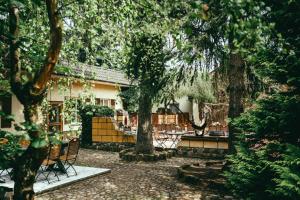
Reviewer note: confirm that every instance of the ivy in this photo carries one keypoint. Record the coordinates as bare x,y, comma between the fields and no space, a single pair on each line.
87,112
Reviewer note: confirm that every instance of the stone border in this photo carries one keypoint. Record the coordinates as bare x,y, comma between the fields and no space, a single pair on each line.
130,155
195,173
179,152
109,146
201,152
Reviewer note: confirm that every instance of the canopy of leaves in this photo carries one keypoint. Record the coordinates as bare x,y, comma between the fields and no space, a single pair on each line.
147,62
201,90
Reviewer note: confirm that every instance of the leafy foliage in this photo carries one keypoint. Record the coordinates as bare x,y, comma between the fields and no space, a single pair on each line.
275,117
9,150
87,112
147,62
130,99
201,90
266,165
271,172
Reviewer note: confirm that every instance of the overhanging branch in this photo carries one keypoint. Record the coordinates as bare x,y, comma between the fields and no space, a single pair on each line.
42,77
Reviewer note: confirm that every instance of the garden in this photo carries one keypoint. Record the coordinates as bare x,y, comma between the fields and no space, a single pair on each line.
149,99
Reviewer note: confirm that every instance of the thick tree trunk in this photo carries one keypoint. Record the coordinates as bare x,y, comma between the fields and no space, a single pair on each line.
31,94
236,90
27,165
144,133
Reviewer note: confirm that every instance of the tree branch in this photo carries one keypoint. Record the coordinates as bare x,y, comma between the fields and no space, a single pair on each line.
14,52
42,77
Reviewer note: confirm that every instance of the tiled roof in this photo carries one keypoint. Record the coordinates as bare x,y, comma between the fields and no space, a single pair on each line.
92,72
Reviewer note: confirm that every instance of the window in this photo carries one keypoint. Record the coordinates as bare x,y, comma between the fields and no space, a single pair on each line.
113,103
166,119
106,102
54,117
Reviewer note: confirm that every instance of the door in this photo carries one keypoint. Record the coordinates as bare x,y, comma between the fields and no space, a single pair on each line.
55,123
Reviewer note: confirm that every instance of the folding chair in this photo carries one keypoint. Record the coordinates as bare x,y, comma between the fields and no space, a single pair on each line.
69,158
48,164
161,138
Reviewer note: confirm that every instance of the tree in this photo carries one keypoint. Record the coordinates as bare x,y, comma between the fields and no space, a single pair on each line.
30,88
220,31
268,153
144,54
147,67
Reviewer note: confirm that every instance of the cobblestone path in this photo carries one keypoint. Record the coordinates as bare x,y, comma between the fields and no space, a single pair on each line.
134,180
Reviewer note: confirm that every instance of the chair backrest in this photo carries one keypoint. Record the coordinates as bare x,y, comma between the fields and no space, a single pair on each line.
54,152
73,148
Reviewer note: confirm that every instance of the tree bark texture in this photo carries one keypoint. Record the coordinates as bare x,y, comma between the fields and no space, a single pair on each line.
30,94
144,142
236,90
27,165
43,76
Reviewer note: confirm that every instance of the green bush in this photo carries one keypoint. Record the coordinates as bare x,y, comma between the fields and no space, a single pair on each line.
87,112
10,150
271,172
275,117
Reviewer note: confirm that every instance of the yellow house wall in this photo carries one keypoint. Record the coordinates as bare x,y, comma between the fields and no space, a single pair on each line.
203,144
104,130
99,90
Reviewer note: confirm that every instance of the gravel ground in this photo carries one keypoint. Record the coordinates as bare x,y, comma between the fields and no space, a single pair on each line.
132,180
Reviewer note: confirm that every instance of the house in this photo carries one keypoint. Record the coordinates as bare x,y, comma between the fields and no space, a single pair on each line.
101,85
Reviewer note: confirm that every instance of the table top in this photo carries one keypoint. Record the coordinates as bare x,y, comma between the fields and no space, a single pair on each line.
176,133
130,132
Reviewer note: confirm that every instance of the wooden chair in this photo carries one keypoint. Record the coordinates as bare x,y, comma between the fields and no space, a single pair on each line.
69,158
49,163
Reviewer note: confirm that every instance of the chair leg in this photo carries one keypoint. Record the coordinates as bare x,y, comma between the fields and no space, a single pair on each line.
10,173
42,171
55,174
73,169
68,166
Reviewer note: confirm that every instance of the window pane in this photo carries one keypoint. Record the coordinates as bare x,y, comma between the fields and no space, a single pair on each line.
113,103
97,101
106,102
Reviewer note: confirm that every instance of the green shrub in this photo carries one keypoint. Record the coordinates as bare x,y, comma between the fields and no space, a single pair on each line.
275,117
87,112
10,150
271,172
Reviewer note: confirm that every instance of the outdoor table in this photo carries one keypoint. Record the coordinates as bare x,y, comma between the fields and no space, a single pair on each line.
127,134
162,138
175,137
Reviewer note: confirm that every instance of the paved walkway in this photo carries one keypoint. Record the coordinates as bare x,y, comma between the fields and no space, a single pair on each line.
135,180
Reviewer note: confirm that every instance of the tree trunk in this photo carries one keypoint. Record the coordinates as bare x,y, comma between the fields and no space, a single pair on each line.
27,165
144,142
236,91
31,94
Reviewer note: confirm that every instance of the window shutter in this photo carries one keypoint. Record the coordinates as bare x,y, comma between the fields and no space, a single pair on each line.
6,108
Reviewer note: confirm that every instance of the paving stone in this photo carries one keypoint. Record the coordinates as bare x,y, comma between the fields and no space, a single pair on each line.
132,180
